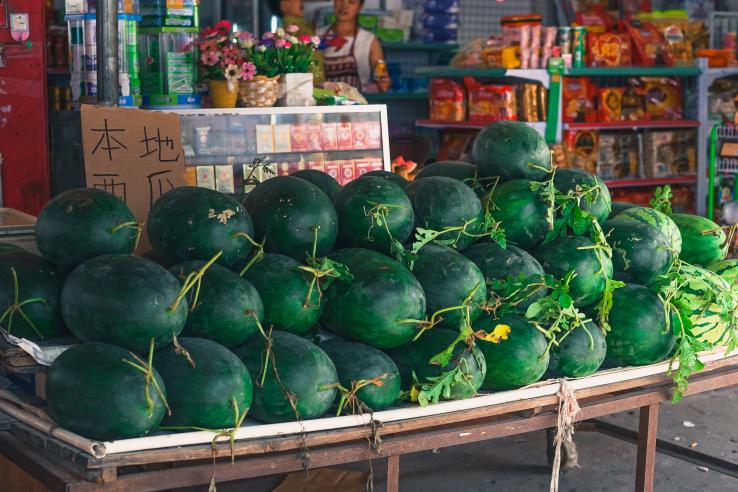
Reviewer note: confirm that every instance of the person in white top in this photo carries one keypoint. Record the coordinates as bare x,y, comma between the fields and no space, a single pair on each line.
352,53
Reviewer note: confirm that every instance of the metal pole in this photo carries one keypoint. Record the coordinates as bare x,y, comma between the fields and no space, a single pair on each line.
107,52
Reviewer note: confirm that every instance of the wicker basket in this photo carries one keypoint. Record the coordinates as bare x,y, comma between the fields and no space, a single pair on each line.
261,92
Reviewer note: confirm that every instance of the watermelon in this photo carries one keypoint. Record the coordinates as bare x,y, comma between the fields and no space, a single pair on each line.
598,203
522,212
441,202
358,227
639,332
374,307
657,219
10,248
193,223
498,263
640,252
124,300
39,285
323,181
580,354
226,305
510,150
565,254
395,178
618,207
703,241
727,270
303,370
415,358
84,223
203,395
289,212
458,170
697,298
92,390
448,278
284,290
518,361
358,362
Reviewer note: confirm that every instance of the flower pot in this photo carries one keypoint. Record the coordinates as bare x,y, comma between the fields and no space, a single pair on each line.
296,89
221,95
261,92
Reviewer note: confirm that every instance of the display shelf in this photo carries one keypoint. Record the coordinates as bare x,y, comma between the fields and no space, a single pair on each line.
717,73
381,97
632,125
418,46
675,71
540,126
540,75
643,182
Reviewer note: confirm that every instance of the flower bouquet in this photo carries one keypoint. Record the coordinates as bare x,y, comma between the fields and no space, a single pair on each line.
223,64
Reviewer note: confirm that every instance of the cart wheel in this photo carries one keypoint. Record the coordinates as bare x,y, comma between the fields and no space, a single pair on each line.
569,454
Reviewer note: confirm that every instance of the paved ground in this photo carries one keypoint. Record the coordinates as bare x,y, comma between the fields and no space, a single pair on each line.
606,464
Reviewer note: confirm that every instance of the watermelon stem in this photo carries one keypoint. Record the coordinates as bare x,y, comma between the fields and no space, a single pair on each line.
180,350
193,279
258,255
268,348
147,368
17,307
137,226
350,397
379,217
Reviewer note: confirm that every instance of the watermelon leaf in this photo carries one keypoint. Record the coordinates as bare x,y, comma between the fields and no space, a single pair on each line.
661,200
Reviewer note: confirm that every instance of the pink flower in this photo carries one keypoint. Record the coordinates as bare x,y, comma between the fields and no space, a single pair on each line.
248,70
292,39
304,39
268,35
244,35
292,28
281,43
315,40
209,58
287,44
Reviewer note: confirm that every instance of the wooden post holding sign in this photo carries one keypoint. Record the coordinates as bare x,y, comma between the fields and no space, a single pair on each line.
134,154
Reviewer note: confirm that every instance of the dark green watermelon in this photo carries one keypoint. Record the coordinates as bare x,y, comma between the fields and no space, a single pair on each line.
288,211
659,220
203,395
91,390
564,254
358,362
498,263
304,370
458,170
522,212
639,332
124,300
355,206
518,361
618,207
39,285
448,278
640,252
84,223
510,150
440,202
395,178
226,305
703,241
323,181
10,248
415,357
580,354
374,306
598,202
193,223
284,291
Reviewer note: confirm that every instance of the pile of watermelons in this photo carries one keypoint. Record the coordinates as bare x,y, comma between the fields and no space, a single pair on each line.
308,298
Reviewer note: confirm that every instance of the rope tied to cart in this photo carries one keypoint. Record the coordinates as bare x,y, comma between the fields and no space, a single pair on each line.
568,411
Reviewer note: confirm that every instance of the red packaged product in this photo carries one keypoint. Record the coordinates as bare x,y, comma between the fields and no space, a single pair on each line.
283,169
345,137
317,165
650,46
314,137
608,49
374,135
360,135
348,172
447,100
488,102
362,167
330,136
376,164
298,138
333,169
578,98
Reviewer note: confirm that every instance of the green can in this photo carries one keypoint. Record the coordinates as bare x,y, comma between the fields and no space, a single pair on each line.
131,48
579,46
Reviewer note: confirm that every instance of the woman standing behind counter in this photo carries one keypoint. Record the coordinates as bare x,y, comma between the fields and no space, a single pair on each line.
352,53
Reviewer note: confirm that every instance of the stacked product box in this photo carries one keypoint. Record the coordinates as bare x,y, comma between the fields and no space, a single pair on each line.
438,21
169,13
82,35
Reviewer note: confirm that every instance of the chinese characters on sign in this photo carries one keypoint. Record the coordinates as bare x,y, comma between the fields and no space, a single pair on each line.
135,155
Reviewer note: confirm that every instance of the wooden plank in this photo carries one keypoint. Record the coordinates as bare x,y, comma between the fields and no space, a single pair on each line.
646,461
15,479
393,473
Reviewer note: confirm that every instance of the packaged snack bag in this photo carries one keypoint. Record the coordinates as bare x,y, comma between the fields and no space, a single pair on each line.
610,104
489,102
578,99
447,100
608,49
650,46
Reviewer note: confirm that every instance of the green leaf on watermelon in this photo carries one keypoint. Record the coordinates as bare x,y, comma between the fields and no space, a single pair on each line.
661,200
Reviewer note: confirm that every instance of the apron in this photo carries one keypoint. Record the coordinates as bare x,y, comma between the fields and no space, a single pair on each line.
342,68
